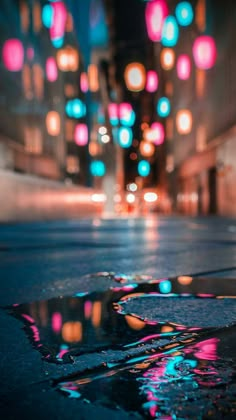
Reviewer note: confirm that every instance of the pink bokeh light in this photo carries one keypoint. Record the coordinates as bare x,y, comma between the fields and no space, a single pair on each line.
155,13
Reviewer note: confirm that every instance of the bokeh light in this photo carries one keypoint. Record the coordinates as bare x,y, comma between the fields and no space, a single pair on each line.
167,58
170,32
125,137
97,168
51,69
144,168
151,81
184,13
81,134
184,121
13,54
163,107
183,67
135,77
155,13
204,52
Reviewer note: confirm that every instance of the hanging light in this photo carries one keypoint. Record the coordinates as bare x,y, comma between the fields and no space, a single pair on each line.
155,13
135,77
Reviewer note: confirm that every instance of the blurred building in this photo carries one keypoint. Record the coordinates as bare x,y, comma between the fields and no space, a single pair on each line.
49,91
194,169
201,163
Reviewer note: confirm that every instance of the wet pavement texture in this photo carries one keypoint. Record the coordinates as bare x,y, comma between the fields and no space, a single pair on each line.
130,318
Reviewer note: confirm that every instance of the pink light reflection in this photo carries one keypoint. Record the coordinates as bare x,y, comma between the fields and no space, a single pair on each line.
51,69
56,322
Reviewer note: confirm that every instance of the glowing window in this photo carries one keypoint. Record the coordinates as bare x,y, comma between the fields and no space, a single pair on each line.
53,123
37,22
26,81
93,78
200,15
38,81
200,82
24,16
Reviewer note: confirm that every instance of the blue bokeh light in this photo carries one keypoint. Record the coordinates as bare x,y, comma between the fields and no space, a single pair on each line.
163,107
184,13
47,15
170,32
165,286
144,168
97,168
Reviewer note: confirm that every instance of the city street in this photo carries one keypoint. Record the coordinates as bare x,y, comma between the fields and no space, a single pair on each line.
165,349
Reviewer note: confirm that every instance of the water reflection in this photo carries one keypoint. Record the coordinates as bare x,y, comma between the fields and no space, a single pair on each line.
64,327
190,381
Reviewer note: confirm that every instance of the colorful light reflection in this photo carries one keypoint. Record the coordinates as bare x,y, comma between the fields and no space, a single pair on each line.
184,13
183,67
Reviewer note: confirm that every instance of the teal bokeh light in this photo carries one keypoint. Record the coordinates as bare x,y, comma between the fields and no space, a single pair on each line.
144,168
128,119
184,13
57,42
75,108
47,15
170,32
97,168
125,137
163,107
165,286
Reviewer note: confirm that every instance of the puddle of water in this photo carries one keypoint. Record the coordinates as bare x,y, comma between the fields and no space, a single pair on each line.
196,381
64,327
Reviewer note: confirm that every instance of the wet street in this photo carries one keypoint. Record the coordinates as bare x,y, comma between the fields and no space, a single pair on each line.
123,319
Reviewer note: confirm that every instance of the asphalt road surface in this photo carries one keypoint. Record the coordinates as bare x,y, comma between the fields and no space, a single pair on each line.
121,319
